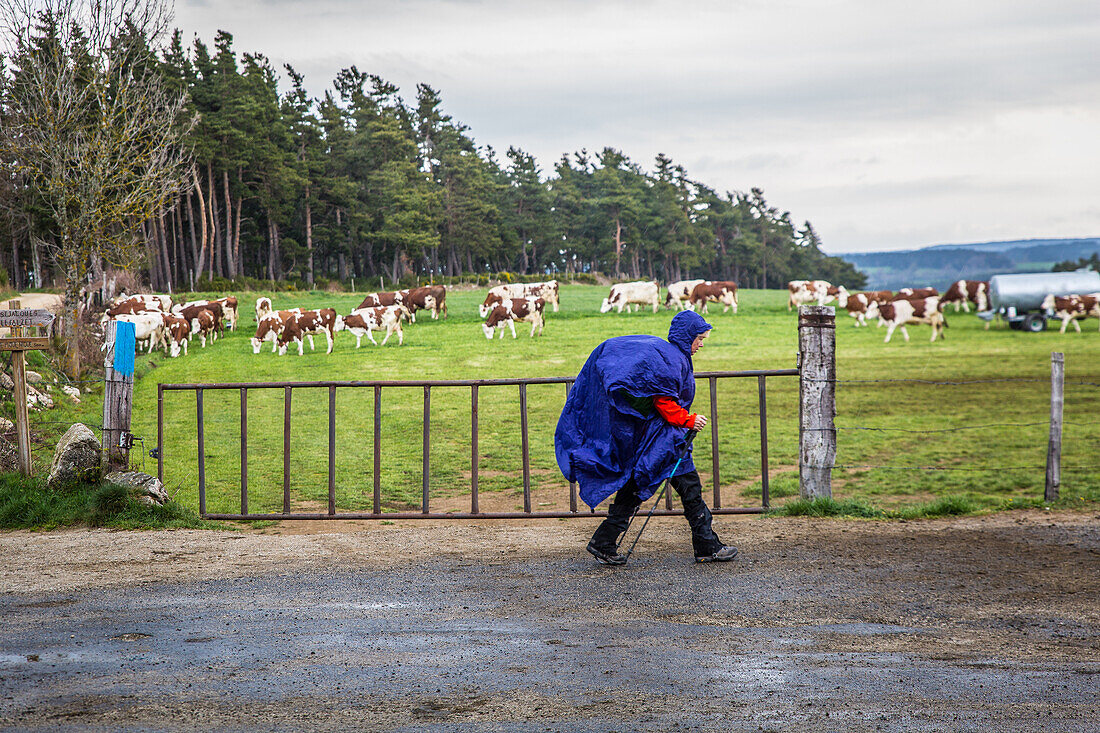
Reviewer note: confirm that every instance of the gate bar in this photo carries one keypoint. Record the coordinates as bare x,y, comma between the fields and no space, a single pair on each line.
762,392
244,450
378,449
447,382
473,449
714,441
202,454
286,450
332,450
525,448
572,484
427,424
160,433
467,515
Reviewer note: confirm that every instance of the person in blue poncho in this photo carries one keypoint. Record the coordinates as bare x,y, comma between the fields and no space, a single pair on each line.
623,427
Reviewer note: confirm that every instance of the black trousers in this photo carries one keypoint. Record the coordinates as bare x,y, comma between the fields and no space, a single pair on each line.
687,485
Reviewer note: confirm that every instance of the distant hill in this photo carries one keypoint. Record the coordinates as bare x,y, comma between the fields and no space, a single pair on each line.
941,264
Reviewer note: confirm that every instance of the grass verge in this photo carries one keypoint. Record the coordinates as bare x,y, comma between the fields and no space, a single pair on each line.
26,503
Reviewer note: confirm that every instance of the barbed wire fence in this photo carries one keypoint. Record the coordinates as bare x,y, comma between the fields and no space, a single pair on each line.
819,433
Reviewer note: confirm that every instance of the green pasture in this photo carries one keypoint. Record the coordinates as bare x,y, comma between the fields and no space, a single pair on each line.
990,467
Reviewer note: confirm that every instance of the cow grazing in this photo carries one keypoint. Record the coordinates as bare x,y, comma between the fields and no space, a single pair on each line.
964,292
637,293
270,328
204,325
801,292
1072,308
191,313
227,305
679,293
428,297
718,291
910,293
308,323
364,320
148,328
188,311
898,313
510,310
263,307
177,333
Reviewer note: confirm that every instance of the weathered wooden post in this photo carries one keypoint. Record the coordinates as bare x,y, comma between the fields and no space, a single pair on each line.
118,393
817,403
17,319
1054,448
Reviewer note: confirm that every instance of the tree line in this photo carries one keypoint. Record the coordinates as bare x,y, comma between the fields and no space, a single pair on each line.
278,185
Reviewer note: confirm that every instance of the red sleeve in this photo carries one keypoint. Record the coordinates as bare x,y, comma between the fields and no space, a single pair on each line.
673,413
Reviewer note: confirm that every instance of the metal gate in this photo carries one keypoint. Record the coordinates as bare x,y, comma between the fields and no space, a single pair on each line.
425,512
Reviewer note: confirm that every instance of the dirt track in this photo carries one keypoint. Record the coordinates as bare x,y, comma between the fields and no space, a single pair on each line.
964,624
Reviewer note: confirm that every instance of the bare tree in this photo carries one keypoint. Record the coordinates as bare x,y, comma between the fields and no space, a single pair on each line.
89,123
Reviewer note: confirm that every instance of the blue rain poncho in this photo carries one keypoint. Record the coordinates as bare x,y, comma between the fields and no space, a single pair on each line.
609,431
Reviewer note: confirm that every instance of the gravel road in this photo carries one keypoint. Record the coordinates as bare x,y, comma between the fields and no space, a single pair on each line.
988,623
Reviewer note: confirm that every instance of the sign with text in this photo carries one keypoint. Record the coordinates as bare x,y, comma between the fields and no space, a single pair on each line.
25,318
24,343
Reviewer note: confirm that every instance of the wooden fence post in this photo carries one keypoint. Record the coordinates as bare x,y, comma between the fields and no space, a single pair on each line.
118,398
817,403
1054,448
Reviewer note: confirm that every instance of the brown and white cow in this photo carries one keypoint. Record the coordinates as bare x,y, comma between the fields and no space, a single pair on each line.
270,328
510,310
427,297
679,293
964,292
308,323
204,325
898,313
155,301
638,293
1072,308
192,312
362,321
909,293
177,334
227,304
821,292
148,328
134,304
857,304
717,291
263,307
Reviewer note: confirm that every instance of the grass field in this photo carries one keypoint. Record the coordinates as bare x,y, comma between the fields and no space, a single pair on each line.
882,423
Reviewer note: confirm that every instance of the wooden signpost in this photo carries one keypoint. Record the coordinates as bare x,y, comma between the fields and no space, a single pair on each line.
17,320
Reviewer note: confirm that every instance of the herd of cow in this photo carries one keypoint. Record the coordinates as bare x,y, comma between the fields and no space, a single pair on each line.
159,323
893,310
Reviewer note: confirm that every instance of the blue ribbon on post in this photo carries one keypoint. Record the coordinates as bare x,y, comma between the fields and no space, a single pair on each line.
125,345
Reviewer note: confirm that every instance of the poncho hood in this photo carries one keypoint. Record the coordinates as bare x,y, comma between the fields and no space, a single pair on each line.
609,431
685,326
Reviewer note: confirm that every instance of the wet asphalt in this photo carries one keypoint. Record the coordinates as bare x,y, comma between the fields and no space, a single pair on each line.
552,644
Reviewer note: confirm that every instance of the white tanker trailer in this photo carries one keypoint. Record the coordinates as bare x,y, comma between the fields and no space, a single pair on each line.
1019,298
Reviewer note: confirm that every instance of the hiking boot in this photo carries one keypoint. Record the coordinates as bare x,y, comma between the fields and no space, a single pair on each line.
607,557
724,554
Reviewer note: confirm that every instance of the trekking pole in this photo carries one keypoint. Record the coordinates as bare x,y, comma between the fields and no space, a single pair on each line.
687,446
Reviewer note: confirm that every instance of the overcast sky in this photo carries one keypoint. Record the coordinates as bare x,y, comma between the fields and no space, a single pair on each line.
887,124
